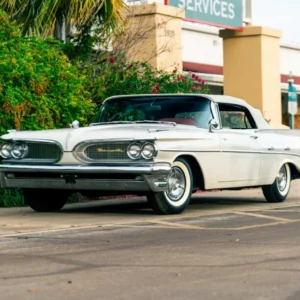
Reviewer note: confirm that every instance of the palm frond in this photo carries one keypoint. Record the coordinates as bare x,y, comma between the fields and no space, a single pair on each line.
40,16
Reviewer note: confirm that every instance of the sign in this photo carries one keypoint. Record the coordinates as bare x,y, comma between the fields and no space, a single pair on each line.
220,13
292,99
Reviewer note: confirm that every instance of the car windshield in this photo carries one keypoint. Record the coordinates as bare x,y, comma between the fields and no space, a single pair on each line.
188,110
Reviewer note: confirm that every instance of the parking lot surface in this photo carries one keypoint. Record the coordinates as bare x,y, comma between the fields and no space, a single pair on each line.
227,245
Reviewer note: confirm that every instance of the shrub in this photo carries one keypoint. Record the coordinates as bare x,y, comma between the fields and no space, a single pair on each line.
117,76
39,89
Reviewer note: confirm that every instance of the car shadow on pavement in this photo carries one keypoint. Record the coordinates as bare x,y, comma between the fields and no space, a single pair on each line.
106,207
224,201
141,206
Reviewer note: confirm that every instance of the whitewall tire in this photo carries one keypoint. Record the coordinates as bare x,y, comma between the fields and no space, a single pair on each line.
279,189
178,196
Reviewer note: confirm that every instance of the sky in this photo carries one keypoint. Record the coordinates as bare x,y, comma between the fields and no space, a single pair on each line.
278,14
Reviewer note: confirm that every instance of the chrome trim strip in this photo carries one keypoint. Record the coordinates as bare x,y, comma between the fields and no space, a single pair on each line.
231,151
188,150
261,152
147,185
139,169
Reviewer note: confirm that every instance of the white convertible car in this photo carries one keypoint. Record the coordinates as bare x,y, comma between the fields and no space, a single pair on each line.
163,146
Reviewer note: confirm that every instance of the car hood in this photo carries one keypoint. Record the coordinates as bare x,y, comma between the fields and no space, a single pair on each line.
69,138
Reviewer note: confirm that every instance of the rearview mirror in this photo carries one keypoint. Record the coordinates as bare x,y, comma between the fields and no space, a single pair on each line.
213,124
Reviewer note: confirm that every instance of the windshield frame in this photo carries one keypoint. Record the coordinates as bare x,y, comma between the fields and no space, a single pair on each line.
99,114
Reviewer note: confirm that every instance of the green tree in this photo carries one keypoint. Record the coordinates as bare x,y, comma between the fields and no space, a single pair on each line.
42,16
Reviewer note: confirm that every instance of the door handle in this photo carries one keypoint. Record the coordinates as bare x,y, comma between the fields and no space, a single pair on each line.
253,137
287,148
271,148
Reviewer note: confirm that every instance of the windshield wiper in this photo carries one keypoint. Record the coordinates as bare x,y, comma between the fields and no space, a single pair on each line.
156,122
133,122
112,122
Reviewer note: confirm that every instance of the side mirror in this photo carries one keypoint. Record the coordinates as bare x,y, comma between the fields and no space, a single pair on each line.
213,124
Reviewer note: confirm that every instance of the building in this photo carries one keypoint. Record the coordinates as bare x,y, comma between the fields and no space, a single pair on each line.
206,58
221,56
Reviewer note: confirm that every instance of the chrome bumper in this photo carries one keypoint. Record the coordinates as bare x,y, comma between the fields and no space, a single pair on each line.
139,178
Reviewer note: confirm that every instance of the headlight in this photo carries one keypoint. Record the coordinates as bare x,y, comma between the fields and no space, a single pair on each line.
19,150
134,151
148,151
145,150
5,151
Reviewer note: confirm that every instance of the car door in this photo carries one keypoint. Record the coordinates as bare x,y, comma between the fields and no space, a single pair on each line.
240,148
241,156
276,148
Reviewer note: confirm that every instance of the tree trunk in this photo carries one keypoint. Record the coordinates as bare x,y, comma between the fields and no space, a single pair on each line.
58,31
62,31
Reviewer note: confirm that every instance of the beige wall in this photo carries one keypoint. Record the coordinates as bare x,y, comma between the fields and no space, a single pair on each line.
153,34
252,69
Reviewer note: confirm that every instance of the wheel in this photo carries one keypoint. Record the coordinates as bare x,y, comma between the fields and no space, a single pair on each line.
177,198
43,200
279,189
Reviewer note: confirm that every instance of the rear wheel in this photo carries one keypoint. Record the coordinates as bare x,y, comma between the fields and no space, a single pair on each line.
43,200
178,196
279,189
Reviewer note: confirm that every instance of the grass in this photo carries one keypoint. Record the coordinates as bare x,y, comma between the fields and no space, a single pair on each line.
14,198
11,198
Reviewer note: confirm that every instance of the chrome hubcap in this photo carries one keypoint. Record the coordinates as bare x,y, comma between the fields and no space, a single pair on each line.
282,179
176,183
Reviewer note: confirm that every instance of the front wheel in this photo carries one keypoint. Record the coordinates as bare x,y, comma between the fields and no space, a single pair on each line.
43,200
279,189
178,196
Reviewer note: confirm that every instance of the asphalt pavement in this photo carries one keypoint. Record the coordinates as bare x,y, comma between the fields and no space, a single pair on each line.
227,245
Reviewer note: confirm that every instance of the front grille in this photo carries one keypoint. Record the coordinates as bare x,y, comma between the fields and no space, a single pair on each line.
108,151
43,151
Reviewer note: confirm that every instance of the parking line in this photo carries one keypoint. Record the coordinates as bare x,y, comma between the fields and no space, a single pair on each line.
204,228
267,224
261,216
284,210
140,226
180,225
